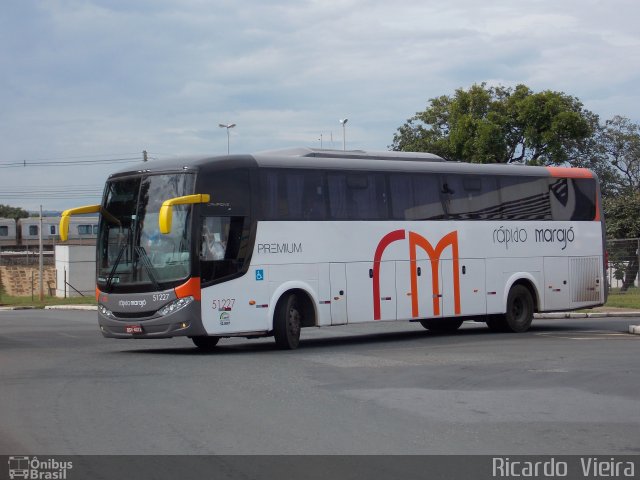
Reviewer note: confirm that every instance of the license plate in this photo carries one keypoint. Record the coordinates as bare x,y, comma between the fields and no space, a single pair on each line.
133,329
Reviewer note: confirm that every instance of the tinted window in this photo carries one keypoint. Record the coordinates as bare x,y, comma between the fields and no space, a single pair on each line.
4,231
52,229
293,195
33,230
470,197
357,196
524,198
415,197
572,198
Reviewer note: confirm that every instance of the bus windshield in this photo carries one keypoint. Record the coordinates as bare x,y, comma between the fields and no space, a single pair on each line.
132,253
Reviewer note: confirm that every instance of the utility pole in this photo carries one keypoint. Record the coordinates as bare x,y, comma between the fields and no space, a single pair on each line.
41,260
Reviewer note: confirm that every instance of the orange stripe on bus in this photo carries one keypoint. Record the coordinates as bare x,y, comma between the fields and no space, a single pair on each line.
189,289
566,172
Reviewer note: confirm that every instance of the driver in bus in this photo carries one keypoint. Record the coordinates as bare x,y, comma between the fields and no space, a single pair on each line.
213,247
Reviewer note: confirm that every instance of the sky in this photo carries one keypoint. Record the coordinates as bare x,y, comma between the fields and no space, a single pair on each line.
87,85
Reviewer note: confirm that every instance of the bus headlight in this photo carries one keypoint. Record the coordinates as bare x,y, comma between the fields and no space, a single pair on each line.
104,311
174,306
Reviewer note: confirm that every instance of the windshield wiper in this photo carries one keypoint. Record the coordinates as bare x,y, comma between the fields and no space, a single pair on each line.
115,265
148,266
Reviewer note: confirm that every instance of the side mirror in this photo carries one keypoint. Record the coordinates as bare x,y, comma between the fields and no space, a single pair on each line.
165,216
66,217
67,214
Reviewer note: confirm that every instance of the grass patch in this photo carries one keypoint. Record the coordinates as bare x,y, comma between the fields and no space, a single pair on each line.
7,300
629,299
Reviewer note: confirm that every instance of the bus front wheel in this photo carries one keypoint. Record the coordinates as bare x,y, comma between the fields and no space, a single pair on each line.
287,323
205,343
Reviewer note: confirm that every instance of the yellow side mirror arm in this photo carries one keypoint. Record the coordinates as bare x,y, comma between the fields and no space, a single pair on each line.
165,216
67,214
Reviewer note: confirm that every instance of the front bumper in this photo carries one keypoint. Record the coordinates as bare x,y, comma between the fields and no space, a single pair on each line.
184,322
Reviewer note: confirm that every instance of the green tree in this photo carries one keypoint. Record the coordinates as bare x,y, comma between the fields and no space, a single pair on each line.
620,140
12,212
500,125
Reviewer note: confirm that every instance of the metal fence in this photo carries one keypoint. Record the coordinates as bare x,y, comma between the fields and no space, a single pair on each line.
624,262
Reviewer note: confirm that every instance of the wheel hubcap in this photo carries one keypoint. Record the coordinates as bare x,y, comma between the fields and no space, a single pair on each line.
518,309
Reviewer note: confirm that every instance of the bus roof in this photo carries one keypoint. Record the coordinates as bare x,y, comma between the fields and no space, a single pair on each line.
312,158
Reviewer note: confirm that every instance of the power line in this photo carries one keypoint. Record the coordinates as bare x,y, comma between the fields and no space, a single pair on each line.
66,163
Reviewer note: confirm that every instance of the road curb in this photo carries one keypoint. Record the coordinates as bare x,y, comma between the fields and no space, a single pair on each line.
71,307
556,315
52,307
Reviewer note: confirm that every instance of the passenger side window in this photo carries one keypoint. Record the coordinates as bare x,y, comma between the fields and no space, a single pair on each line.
572,198
524,198
294,195
470,197
357,196
415,197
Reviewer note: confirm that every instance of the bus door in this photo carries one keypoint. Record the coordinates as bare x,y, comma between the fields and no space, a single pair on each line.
466,295
415,292
371,298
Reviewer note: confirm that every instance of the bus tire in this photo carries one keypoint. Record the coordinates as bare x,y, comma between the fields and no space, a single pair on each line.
519,313
205,343
287,322
443,325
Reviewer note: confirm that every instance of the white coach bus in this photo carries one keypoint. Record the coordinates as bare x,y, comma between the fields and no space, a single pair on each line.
267,244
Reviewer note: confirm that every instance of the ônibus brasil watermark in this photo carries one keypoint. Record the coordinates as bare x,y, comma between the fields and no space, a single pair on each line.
33,468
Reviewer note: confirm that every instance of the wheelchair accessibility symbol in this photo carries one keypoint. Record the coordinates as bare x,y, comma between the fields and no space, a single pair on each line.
259,275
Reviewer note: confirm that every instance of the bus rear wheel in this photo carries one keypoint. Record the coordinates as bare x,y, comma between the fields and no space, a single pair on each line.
205,343
442,325
519,314
287,323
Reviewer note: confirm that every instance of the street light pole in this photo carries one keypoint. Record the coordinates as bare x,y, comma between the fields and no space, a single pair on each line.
344,138
227,126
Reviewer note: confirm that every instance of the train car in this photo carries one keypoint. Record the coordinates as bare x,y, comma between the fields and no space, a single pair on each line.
7,232
25,232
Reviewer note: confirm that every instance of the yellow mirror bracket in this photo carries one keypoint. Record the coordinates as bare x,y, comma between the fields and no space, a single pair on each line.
166,210
66,217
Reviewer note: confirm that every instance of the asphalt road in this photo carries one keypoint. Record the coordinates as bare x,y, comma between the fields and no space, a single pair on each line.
569,386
